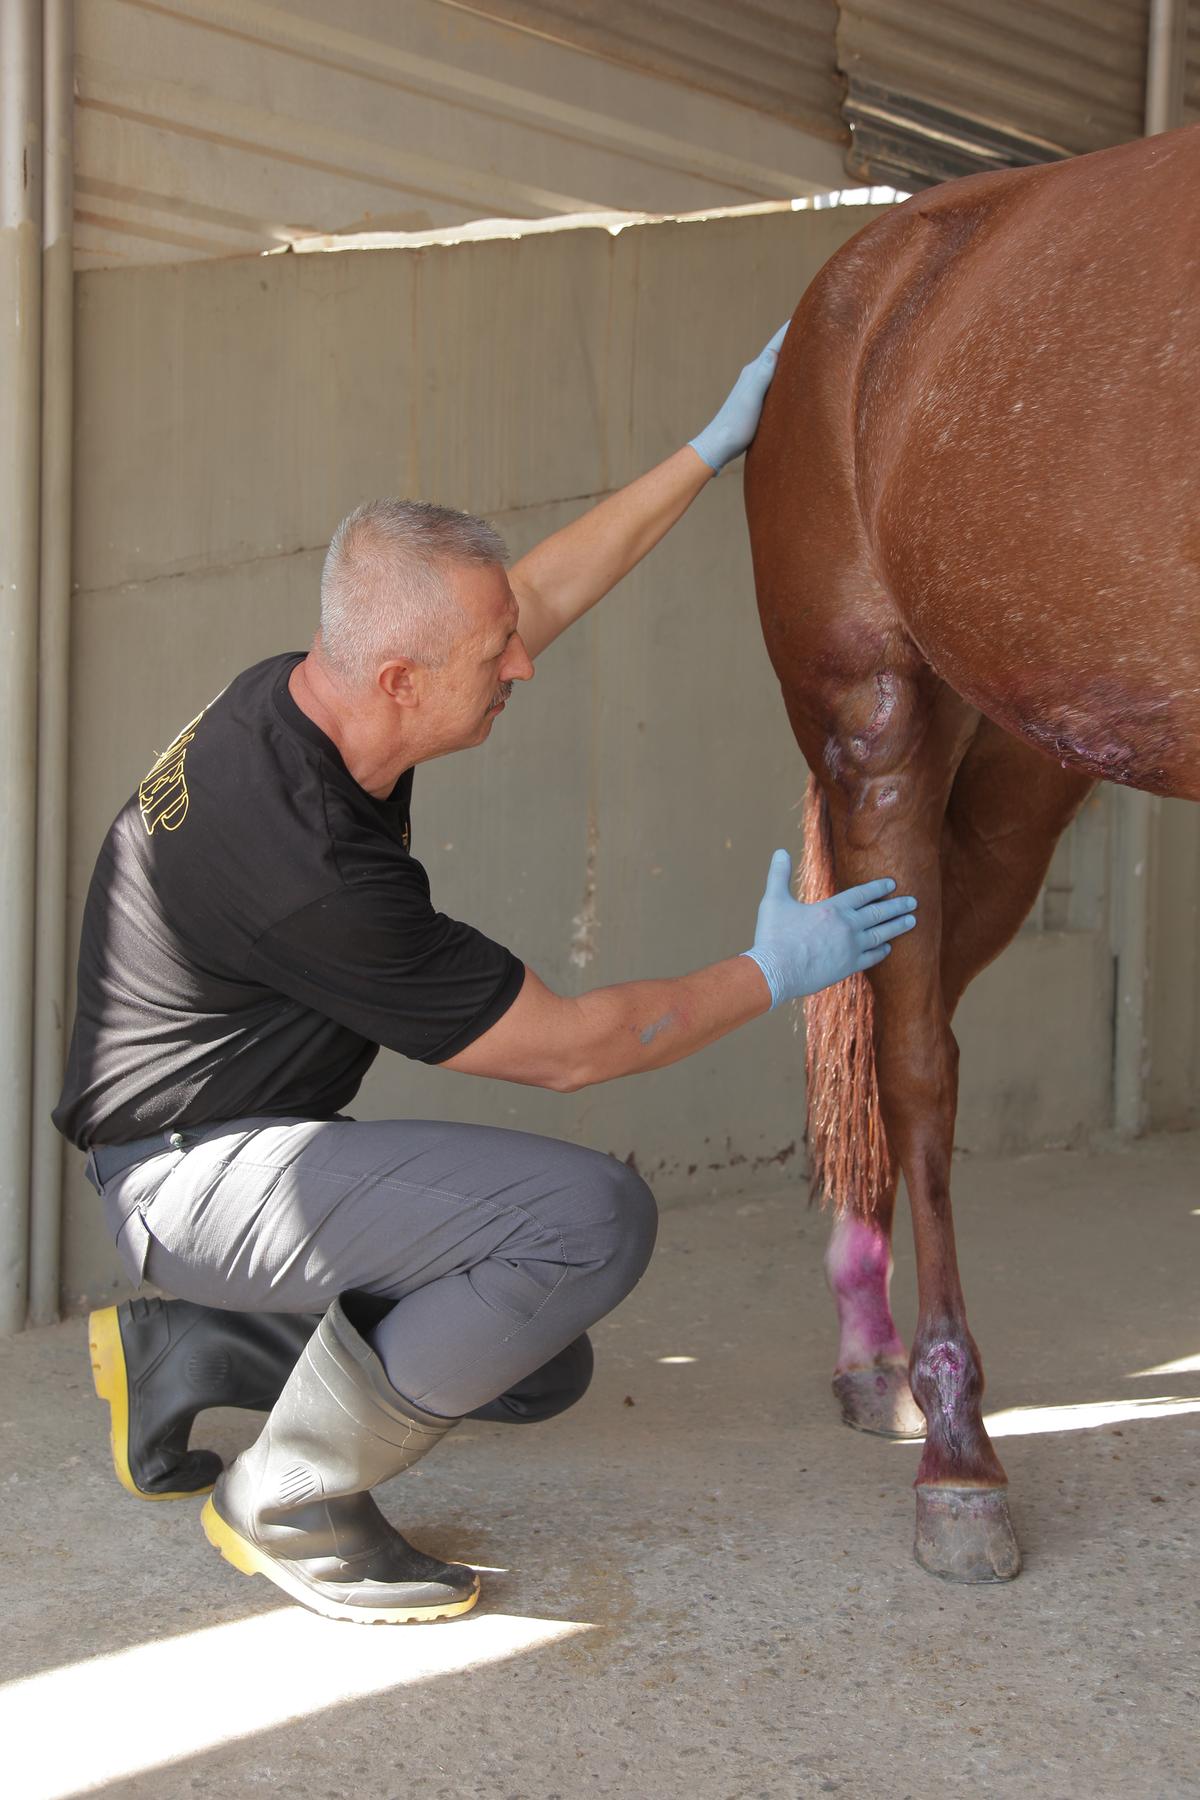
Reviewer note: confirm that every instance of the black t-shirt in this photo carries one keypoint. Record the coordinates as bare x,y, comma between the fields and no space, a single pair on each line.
255,930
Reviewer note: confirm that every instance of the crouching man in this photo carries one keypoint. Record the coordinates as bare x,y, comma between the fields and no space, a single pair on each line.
257,927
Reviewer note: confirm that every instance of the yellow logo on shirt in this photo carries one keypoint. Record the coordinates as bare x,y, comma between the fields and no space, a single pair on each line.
163,795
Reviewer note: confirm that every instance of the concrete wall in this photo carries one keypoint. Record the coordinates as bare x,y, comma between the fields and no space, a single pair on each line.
619,821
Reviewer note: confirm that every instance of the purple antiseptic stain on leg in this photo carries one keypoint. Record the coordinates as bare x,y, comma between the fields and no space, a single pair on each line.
858,1268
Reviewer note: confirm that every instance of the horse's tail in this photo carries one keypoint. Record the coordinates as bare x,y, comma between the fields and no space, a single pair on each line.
851,1164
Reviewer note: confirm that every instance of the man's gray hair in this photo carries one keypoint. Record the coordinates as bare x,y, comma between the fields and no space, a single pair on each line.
383,586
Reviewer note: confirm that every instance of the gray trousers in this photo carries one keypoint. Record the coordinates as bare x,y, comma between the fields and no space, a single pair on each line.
495,1248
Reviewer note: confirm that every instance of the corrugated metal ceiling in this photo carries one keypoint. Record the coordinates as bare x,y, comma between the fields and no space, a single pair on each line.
951,86
776,56
218,127
931,90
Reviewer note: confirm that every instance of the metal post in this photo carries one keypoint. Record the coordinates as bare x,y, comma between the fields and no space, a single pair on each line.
20,471
1136,814
1136,822
1165,54
50,947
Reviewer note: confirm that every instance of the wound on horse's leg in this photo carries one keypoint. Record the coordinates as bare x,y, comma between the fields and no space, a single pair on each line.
871,1380
947,1381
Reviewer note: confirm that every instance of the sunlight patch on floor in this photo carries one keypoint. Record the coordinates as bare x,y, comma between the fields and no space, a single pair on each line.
1183,1365
80,1727
1027,1421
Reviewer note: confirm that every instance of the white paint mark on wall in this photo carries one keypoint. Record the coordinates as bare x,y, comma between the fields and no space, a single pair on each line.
586,922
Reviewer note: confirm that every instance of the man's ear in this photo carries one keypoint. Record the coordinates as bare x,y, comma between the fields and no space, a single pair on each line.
399,681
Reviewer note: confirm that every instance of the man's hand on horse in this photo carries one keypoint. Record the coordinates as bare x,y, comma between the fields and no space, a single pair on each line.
733,428
801,949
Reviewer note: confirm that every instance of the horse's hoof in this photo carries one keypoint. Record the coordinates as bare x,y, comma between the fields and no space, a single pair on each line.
965,1534
880,1401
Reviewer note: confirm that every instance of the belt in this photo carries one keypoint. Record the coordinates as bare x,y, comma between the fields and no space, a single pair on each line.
111,1160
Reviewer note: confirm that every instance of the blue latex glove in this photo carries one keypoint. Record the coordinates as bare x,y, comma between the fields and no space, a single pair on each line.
733,429
801,949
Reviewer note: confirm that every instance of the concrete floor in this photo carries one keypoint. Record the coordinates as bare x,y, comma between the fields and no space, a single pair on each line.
707,1589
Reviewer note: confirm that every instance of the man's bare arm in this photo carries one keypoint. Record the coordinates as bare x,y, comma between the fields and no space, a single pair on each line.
547,1040
564,576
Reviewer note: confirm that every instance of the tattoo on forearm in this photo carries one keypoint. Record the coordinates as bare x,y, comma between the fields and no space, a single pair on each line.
648,1034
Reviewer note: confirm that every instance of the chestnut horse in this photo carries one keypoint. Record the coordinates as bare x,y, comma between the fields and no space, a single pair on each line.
973,512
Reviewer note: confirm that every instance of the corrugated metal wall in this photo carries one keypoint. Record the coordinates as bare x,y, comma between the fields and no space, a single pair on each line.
952,86
774,55
220,127
1068,74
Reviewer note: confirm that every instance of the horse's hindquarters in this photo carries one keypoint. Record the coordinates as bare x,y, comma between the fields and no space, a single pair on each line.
1028,469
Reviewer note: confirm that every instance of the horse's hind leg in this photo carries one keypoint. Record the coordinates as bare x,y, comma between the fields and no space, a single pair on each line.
1007,809
971,831
1006,812
889,772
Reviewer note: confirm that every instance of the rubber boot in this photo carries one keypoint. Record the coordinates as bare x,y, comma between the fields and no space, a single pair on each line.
295,1506
159,1362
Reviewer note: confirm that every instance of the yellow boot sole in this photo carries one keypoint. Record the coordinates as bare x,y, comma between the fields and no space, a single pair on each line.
111,1380
248,1559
